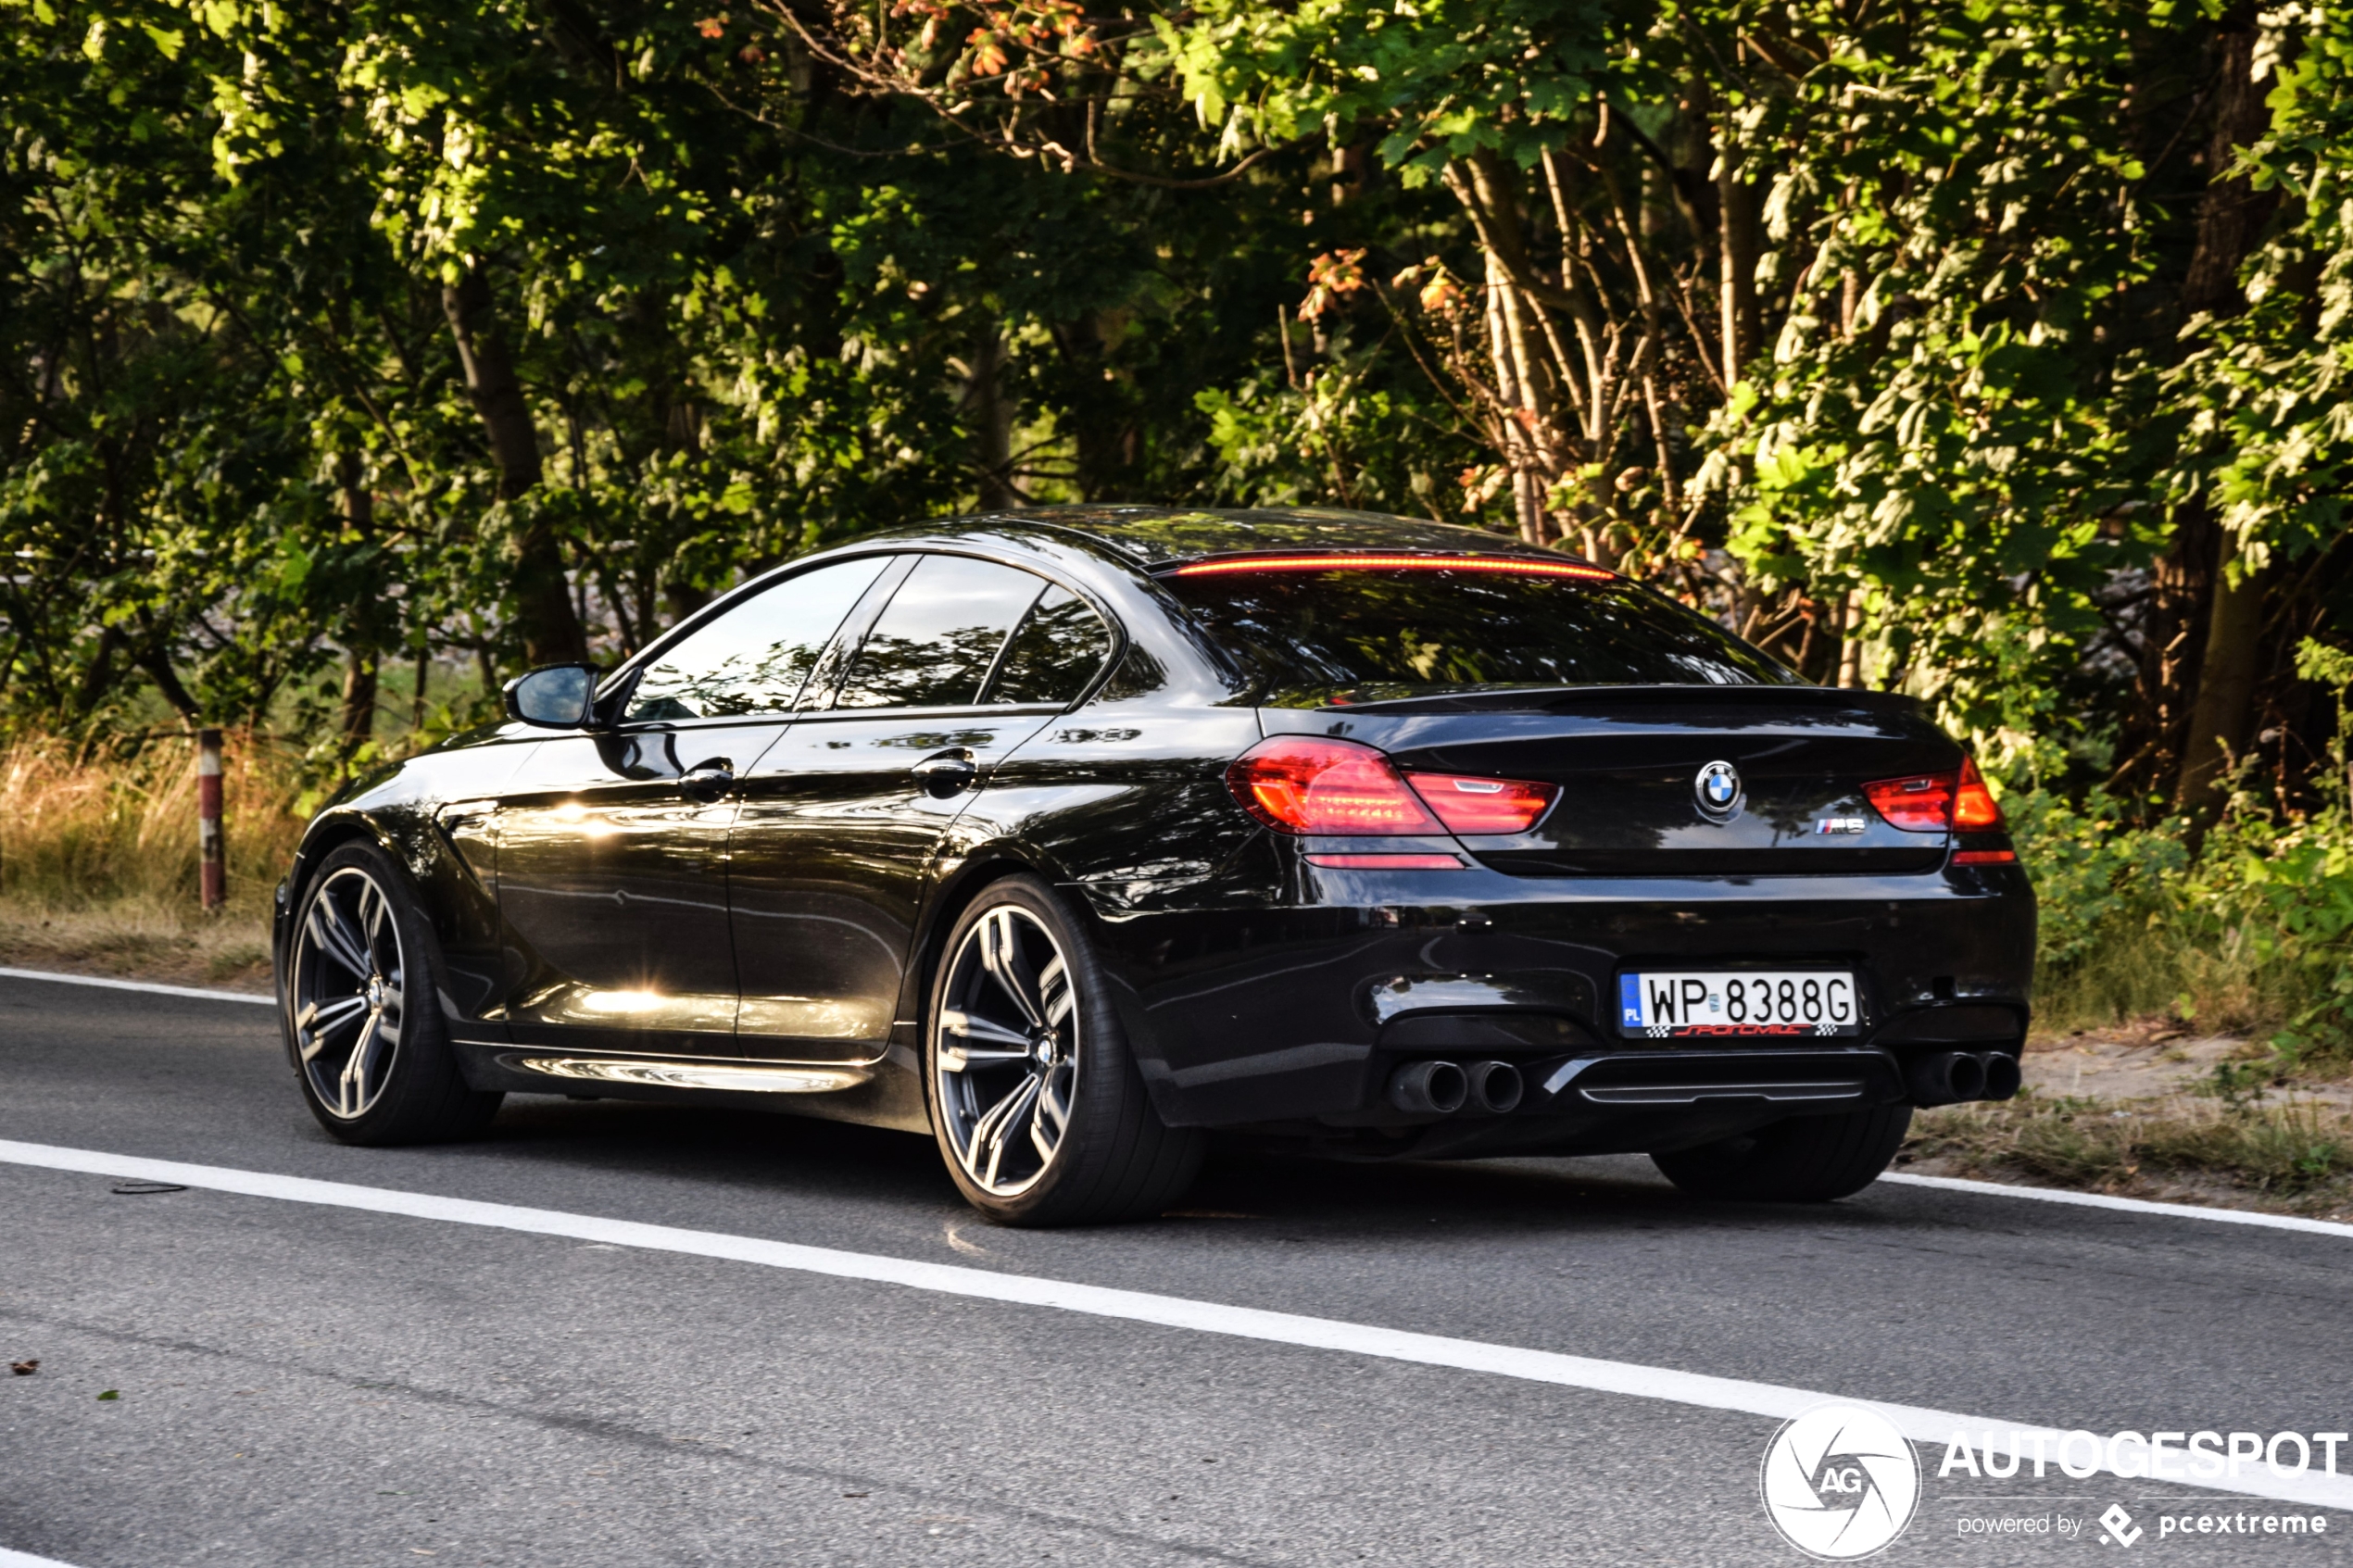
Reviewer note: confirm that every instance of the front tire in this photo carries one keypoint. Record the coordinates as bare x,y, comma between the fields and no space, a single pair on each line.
364,1016
1804,1159
1040,1114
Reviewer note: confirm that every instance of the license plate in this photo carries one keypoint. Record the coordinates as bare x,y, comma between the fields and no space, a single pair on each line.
1673,1004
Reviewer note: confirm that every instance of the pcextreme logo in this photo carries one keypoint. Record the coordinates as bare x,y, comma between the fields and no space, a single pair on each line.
1839,1482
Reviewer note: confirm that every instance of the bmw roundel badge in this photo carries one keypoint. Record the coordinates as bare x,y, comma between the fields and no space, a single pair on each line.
1718,789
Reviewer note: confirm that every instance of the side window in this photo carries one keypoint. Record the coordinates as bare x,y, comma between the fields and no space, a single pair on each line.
936,642
1054,654
755,657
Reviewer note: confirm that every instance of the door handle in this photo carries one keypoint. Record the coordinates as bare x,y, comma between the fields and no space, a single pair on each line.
950,773
707,782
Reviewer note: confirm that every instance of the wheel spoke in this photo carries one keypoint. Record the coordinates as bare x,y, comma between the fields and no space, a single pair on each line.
351,1088
997,1125
985,1128
375,912
347,1089
318,1022
1053,984
1053,1104
958,1059
973,1028
1002,956
332,937
1052,1111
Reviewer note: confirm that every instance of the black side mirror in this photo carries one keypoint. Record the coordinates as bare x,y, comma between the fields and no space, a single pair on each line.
554,696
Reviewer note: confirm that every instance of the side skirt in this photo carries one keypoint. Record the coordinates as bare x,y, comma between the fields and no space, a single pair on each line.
887,1093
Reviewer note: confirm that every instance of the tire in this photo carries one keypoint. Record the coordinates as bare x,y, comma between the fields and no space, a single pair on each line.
1804,1159
362,1016
1039,1112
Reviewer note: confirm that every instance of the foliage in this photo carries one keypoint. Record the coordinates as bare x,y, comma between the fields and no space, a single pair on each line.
2253,933
1990,350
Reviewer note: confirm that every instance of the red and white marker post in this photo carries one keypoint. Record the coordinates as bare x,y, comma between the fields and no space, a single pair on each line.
213,867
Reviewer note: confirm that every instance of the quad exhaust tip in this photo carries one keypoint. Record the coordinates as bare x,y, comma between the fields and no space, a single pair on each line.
1950,1077
1494,1087
1427,1088
1442,1088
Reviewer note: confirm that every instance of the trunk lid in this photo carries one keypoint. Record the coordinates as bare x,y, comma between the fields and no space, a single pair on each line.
1627,762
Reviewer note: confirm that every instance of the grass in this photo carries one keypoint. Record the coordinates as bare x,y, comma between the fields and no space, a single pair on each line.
2135,972
98,859
2293,1155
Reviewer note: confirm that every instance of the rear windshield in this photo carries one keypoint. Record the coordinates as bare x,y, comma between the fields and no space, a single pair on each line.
1360,635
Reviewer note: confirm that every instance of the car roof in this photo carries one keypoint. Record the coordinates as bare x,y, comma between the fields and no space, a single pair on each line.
1154,536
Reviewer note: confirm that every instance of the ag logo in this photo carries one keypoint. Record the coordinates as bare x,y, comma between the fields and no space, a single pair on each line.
1718,789
1839,1482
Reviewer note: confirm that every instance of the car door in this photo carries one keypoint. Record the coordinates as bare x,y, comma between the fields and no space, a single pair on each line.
840,819
612,883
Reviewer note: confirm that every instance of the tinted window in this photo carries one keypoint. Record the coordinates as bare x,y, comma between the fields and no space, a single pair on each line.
1313,636
935,644
754,658
1055,653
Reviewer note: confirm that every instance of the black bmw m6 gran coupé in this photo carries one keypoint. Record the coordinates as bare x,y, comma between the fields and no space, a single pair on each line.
1067,835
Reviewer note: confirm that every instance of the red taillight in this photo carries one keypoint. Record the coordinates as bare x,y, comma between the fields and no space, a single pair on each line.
1974,808
1308,784
1470,804
1933,802
1919,804
1388,862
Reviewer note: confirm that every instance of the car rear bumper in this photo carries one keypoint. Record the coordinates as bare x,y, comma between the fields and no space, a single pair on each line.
1295,1015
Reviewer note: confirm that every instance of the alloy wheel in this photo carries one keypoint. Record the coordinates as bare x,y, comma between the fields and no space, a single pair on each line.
349,972
1005,1050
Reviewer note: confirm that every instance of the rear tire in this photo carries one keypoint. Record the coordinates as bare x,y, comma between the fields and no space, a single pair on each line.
1804,1159
1039,1112
362,1016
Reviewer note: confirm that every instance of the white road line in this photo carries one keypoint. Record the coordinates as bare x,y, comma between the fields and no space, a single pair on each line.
26,1560
198,992
1933,1427
2128,1205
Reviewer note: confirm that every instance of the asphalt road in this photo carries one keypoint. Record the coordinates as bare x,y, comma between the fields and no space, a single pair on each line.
315,1386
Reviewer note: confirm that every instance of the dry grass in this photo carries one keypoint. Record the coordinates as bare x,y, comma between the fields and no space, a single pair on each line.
98,859
2136,973
2291,1155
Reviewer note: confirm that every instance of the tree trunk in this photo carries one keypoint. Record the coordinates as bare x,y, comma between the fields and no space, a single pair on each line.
1103,425
1850,646
155,659
2223,708
97,677
356,722
417,693
2218,690
2230,213
1736,256
991,414
364,633
544,615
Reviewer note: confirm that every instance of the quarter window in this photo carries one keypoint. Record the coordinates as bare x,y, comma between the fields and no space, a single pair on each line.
1054,654
756,657
939,637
